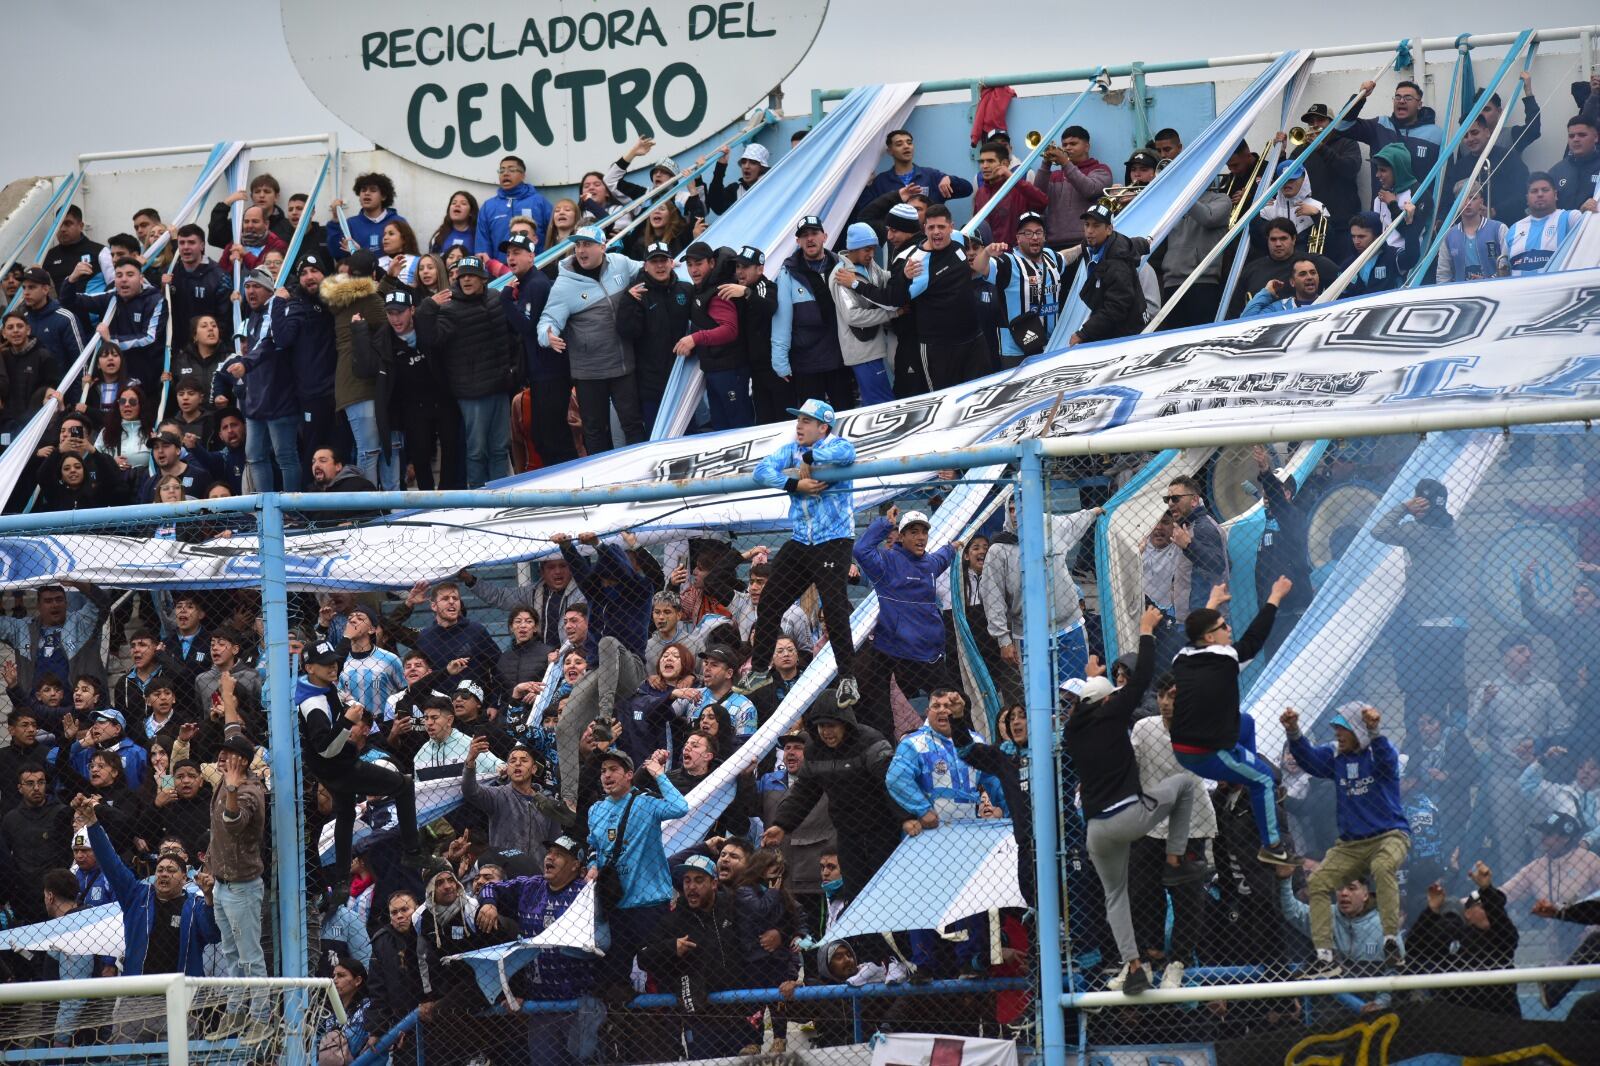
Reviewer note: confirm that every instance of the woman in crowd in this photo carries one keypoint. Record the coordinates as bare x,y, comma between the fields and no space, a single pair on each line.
398,254
565,218
460,225
523,663
594,199
665,225
202,356
432,276
26,369
652,712
339,1044
105,384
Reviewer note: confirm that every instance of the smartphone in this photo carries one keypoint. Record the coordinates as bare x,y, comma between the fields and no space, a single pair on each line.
75,430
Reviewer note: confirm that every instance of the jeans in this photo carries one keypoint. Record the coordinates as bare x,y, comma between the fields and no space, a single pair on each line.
363,419
486,423
238,912
728,393
273,440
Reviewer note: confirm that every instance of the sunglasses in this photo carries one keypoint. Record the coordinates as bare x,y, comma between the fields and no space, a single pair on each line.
1175,499
128,401
1219,627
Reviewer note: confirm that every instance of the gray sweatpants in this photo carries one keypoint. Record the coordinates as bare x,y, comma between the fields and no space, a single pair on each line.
613,679
1109,839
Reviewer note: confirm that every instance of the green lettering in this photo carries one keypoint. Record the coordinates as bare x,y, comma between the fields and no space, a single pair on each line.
628,90
400,49
750,20
577,81
467,115
728,21
436,57
531,38
596,22
697,108
529,113
414,123
461,50
617,29
697,30
648,26
557,24
510,53
372,50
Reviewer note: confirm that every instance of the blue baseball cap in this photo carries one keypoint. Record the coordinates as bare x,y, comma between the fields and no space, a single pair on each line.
821,410
590,233
111,714
699,864
859,235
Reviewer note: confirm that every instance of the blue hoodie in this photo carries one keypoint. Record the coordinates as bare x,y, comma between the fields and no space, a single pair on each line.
1369,801
910,625
813,519
363,230
197,926
494,217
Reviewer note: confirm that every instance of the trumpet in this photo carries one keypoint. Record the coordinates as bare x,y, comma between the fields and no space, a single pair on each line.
1033,139
1298,137
1318,234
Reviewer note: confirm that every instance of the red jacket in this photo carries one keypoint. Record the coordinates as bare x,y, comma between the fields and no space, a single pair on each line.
1023,197
274,244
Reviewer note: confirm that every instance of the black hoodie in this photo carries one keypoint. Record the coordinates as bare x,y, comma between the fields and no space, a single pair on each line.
1111,290
655,322
1097,738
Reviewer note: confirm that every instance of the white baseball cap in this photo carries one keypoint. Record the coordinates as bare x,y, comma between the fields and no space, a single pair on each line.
911,518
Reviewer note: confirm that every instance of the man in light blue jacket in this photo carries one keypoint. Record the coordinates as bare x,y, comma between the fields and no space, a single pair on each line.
580,319
818,551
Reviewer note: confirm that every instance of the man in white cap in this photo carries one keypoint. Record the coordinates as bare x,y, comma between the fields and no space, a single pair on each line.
754,161
822,526
908,642
864,313
580,319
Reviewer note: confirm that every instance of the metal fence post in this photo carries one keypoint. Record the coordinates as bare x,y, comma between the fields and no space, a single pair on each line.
1039,689
289,871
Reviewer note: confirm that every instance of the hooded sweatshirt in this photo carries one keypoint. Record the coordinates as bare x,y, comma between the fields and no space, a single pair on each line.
1207,717
909,623
1405,191
1097,737
1433,557
494,217
1368,781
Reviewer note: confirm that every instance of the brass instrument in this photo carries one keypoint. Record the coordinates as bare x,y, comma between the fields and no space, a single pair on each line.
1033,139
1298,137
1318,234
1249,186
1116,197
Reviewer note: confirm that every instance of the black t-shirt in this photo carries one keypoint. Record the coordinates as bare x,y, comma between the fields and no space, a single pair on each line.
162,954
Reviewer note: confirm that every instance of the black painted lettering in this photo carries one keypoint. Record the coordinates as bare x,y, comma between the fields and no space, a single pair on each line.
400,46
434,58
697,106
461,49
618,24
592,32
649,27
517,114
702,21
728,16
531,38
628,89
509,53
577,82
1580,315
414,123
750,21
1419,326
563,31
372,49
467,116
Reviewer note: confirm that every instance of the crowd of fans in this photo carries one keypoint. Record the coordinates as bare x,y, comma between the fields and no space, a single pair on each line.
470,788
396,355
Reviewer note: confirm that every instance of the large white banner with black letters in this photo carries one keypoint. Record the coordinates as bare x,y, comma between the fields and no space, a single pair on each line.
1521,340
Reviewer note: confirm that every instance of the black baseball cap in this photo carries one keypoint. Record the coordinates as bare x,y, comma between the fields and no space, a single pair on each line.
37,275
311,260
239,746
323,653
517,240
471,264
1099,212
658,250
722,654
750,256
1144,157
617,755
399,298
699,250
807,223
166,436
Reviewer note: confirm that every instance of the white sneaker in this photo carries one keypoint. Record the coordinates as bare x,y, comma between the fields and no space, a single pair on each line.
898,973
228,1025
866,974
1172,977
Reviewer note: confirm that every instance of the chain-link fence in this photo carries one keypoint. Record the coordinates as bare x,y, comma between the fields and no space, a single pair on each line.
1326,713
726,787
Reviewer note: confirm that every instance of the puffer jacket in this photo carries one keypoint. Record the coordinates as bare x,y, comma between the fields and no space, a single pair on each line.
345,297
655,322
473,339
824,517
372,361
1112,291
24,375
583,310
804,335
302,329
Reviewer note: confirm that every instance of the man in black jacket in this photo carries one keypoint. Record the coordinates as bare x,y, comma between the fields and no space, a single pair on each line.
1282,550
936,282
1111,288
756,300
655,318
1116,810
412,389
549,377
467,329
1333,170
1277,265
1481,937
197,286
714,337
38,835
698,952
845,762
71,248
394,985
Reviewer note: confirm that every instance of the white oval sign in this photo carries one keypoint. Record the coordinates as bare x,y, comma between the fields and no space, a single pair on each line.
453,87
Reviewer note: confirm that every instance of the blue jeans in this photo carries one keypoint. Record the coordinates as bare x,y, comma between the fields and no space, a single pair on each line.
873,385
728,395
486,424
238,913
273,440
363,419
